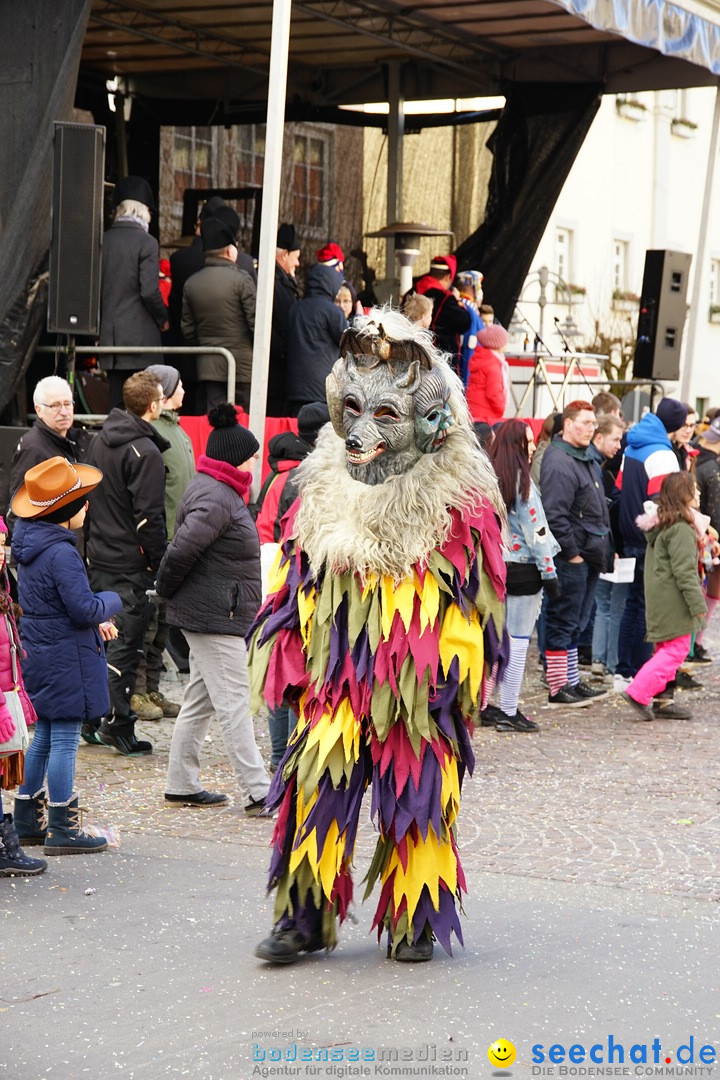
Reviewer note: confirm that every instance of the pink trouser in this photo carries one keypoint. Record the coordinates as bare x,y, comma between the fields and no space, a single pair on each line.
660,669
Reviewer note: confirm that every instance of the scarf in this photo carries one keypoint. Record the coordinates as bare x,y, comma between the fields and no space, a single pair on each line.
226,474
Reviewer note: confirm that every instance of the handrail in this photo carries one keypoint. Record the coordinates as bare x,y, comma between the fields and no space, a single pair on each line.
157,350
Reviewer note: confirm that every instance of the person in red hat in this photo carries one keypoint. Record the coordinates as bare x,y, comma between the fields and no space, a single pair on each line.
450,319
332,255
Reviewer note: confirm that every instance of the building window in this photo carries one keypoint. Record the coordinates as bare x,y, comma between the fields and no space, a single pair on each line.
310,180
714,282
250,154
714,310
194,164
620,265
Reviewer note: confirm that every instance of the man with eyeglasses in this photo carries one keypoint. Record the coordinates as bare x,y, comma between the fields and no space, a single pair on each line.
577,515
52,433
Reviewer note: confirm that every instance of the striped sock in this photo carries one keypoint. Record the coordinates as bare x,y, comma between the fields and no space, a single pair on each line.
557,669
513,677
573,675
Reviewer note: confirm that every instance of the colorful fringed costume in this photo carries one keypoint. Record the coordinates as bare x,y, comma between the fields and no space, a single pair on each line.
383,618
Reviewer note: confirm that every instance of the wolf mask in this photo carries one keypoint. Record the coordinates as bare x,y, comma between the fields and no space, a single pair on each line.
388,399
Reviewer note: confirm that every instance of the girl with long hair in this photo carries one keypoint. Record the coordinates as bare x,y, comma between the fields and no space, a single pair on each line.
530,566
674,599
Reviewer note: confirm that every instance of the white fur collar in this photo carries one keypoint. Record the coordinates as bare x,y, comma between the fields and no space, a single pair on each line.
386,528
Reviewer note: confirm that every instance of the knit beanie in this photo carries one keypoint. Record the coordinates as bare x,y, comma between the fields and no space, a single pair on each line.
493,336
3,526
229,441
167,376
672,414
310,419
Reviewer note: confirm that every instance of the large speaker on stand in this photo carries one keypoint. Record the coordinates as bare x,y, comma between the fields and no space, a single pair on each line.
661,321
77,227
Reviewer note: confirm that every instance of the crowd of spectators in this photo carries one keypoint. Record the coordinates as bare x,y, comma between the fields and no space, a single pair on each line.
171,546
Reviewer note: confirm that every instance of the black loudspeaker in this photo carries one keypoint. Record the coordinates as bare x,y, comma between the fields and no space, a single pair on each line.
661,320
77,220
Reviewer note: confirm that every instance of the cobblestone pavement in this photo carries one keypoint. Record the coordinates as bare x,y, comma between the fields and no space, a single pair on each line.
596,796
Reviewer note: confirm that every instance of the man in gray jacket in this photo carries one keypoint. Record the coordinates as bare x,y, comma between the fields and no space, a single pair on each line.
219,309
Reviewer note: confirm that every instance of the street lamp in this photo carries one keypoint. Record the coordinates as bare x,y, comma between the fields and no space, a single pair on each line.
406,235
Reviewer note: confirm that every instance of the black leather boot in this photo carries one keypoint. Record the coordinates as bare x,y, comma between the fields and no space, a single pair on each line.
285,946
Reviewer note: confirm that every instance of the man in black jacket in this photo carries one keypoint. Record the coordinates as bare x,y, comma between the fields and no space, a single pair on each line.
577,516
315,326
285,294
53,432
132,310
126,540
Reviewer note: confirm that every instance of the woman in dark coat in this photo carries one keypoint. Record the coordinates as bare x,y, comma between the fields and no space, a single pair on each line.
63,628
210,577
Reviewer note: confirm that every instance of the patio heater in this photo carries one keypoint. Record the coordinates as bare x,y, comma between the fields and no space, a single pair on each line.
406,236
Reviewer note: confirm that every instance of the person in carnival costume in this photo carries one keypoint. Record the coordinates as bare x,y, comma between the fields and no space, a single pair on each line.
383,619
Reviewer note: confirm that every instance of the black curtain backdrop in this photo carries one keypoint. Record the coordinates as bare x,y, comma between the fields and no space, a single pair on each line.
40,49
534,145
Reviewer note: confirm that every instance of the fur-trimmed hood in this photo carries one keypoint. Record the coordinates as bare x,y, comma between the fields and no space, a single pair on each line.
387,528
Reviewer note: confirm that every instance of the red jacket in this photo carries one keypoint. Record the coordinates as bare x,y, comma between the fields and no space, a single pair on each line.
487,389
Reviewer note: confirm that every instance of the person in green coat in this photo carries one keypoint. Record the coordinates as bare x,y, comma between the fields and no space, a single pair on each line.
674,598
148,701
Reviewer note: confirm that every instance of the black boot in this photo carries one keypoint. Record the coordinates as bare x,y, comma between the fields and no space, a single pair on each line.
285,946
31,818
121,737
408,953
65,835
13,859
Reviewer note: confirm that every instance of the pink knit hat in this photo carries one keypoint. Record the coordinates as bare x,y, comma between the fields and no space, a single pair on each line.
493,336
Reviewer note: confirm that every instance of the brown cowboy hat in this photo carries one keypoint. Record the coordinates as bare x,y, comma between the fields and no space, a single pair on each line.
53,485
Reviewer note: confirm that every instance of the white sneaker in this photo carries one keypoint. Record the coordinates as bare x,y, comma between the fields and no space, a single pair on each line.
620,684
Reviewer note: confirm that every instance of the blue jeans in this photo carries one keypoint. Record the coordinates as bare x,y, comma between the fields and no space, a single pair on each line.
568,614
633,649
52,751
610,600
281,722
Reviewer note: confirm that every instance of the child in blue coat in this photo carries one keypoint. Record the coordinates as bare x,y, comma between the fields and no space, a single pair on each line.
63,628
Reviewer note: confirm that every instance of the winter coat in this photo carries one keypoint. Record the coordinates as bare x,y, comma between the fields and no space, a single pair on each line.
574,503
126,524
179,462
184,262
469,342
218,308
674,600
285,296
132,310
65,670
7,682
285,452
647,460
210,574
707,475
314,328
488,384
40,443
450,318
